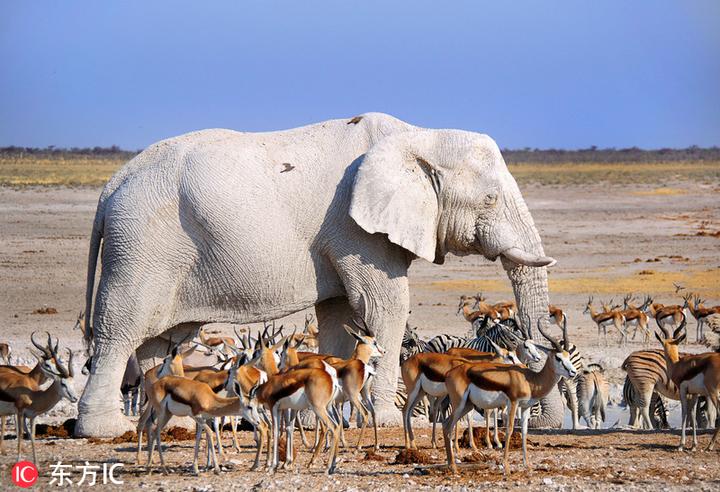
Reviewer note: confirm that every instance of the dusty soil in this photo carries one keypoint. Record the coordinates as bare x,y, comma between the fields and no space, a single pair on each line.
609,239
607,460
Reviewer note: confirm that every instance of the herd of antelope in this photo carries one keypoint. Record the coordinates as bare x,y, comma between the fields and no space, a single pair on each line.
268,379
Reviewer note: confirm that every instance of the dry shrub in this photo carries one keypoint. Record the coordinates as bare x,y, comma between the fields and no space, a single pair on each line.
479,433
412,457
178,434
646,272
373,456
45,310
477,457
127,436
96,440
63,430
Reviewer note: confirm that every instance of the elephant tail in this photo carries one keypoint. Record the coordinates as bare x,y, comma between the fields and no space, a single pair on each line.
95,241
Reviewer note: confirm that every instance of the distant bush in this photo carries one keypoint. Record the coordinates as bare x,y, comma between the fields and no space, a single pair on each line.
593,154
113,152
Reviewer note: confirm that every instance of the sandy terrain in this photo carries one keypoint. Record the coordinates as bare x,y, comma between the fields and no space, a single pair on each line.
608,239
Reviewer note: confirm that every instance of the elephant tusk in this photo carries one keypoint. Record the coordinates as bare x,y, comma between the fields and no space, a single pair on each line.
521,257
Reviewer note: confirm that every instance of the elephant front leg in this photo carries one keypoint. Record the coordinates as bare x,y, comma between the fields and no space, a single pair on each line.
99,410
388,324
332,314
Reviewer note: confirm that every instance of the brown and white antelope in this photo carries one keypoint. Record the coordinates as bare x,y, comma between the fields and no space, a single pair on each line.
669,317
5,351
701,313
214,341
605,319
424,374
295,390
180,396
25,402
557,316
468,306
11,376
636,317
490,385
695,374
506,309
170,366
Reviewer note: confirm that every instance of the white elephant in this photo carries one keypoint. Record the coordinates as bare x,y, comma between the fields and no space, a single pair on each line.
223,226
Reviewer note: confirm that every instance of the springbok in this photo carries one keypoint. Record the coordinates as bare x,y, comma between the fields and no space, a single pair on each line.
214,341
636,317
24,402
491,385
701,313
12,376
294,390
557,316
170,366
180,396
424,374
605,319
696,374
670,316
353,374
5,351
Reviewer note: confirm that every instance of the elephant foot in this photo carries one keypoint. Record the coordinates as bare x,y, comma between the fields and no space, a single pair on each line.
103,425
388,415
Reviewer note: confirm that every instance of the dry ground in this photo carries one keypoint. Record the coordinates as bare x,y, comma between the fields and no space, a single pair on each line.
619,232
592,460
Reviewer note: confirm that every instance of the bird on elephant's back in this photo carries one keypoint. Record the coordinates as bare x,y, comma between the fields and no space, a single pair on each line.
224,226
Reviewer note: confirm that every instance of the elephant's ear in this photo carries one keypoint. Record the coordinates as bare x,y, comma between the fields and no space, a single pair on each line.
396,192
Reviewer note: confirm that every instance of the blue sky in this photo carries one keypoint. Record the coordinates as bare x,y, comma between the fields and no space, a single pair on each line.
528,73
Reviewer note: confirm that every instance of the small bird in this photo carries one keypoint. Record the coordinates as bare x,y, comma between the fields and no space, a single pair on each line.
287,167
355,120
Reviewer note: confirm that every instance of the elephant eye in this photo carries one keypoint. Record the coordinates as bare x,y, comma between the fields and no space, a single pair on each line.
491,199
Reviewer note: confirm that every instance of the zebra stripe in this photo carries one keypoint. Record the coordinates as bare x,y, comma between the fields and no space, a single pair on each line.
498,334
442,343
658,412
411,344
569,386
420,410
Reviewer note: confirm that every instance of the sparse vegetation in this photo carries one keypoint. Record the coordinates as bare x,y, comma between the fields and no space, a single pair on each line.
637,173
20,166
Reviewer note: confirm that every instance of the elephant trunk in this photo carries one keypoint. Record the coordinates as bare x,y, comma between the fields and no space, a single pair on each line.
530,286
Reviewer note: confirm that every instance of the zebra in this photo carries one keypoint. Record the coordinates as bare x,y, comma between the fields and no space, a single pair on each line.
568,387
593,394
411,344
442,343
658,411
501,333
646,370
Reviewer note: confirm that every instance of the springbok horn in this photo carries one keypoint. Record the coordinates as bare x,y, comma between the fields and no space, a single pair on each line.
663,329
42,349
565,334
71,371
517,255
555,343
680,328
240,339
